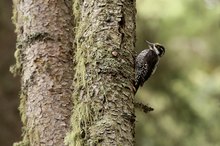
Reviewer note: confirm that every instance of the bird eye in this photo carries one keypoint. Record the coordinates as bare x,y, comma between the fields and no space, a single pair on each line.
157,46
161,49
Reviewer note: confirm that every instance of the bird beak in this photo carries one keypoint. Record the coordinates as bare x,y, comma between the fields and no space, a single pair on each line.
149,44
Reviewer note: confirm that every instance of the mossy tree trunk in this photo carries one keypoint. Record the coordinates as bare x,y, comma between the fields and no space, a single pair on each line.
103,95
44,61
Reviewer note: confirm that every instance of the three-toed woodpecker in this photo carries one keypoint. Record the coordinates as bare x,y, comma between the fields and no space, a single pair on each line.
146,63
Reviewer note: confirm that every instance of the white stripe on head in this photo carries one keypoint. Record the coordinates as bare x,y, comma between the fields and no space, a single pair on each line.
156,50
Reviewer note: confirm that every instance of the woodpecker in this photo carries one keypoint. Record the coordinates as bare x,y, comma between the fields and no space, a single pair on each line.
146,62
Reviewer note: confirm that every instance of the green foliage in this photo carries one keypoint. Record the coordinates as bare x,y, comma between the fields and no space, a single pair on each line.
185,88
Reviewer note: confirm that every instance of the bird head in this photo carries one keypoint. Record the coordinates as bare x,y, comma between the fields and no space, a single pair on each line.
158,48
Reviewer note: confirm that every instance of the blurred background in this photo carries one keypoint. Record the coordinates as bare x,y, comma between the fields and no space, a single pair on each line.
185,90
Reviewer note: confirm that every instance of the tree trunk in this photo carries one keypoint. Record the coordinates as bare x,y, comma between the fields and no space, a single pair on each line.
103,94
44,60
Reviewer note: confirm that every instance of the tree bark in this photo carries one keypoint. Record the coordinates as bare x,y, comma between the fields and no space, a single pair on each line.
44,60
103,93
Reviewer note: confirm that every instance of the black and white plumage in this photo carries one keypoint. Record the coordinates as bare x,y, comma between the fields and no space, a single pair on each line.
146,63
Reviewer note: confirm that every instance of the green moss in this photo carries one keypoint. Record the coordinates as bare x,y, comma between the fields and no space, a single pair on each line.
80,69
22,107
76,9
34,135
81,56
17,67
81,119
15,14
24,142
21,143
26,18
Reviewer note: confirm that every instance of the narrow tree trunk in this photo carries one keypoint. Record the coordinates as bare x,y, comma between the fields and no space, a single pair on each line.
103,93
44,59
